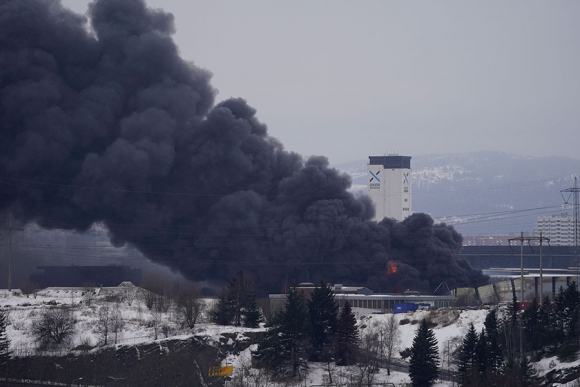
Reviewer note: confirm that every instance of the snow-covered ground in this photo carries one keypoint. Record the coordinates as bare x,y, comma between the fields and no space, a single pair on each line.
139,327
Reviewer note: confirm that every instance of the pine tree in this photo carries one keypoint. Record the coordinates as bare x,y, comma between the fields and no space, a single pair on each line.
527,372
283,350
545,323
424,362
532,327
494,349
4,341
222,314
253,316
293,331
269,352
322,322
481,351
558,318
511,330
572,300
235,301
347,337
240,296
467,356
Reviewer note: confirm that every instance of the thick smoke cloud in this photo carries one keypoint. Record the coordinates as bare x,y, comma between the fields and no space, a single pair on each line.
106,123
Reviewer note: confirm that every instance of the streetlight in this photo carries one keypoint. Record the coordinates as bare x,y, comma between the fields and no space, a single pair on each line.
74,380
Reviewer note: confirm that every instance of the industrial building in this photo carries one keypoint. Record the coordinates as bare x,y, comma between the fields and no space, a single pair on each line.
389,186
363,301
503,264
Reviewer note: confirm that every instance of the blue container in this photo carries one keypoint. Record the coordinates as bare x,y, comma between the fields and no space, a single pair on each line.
404,308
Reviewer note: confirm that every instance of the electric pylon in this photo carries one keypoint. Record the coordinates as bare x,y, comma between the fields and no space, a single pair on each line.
573,193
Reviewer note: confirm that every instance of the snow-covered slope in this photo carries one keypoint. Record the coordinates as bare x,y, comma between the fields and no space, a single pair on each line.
140,327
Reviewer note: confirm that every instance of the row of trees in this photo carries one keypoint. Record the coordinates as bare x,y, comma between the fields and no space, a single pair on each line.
484,358
237,304
315,330
308,330
501,352
4,341
554,326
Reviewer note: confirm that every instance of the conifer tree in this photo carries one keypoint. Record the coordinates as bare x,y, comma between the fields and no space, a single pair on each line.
527,372
253,316
532,327
511,328
222,313
424,362
241,296
572,310
493,348
269,352
4,341
293,330
322,321
283,350
467,356
481,351
546,323
558,318
347,337
235,301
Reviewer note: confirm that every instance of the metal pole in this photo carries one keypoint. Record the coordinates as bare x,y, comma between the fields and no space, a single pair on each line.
10,254
522,266
541,272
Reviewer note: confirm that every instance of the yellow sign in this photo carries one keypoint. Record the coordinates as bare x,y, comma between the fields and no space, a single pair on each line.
221,371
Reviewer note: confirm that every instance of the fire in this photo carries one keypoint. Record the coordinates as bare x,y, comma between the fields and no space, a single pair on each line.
391,267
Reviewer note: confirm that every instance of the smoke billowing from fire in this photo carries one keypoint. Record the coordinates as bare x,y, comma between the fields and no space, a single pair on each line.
112,126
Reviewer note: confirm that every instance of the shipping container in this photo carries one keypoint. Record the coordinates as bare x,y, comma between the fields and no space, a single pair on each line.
404,308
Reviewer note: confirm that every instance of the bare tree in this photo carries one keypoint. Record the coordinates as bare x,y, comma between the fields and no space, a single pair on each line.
29,288
160,292
246,376
390,338
189,305
148,298
130,294
117,322
156,322
103,324
89,293
368,353
53,327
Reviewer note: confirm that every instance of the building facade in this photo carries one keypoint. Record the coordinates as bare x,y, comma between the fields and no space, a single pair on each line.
389,186
558,227
364,302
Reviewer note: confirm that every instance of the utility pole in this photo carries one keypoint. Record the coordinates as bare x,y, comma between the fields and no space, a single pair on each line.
521,239
573,192
10,229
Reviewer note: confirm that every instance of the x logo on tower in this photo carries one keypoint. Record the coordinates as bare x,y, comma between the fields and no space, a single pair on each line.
375,177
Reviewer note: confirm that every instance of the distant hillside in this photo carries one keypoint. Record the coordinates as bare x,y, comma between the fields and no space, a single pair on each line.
487,193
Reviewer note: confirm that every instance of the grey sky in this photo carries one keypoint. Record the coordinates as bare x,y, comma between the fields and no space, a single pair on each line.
352,79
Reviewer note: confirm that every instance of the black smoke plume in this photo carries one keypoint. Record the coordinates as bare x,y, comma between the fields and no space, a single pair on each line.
105,123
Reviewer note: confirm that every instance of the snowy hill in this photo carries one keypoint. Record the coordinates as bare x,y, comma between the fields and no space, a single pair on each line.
142,326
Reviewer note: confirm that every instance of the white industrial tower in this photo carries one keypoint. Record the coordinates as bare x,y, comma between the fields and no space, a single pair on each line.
389,186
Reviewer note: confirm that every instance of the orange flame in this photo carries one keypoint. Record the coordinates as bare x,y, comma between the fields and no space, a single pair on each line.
391,267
